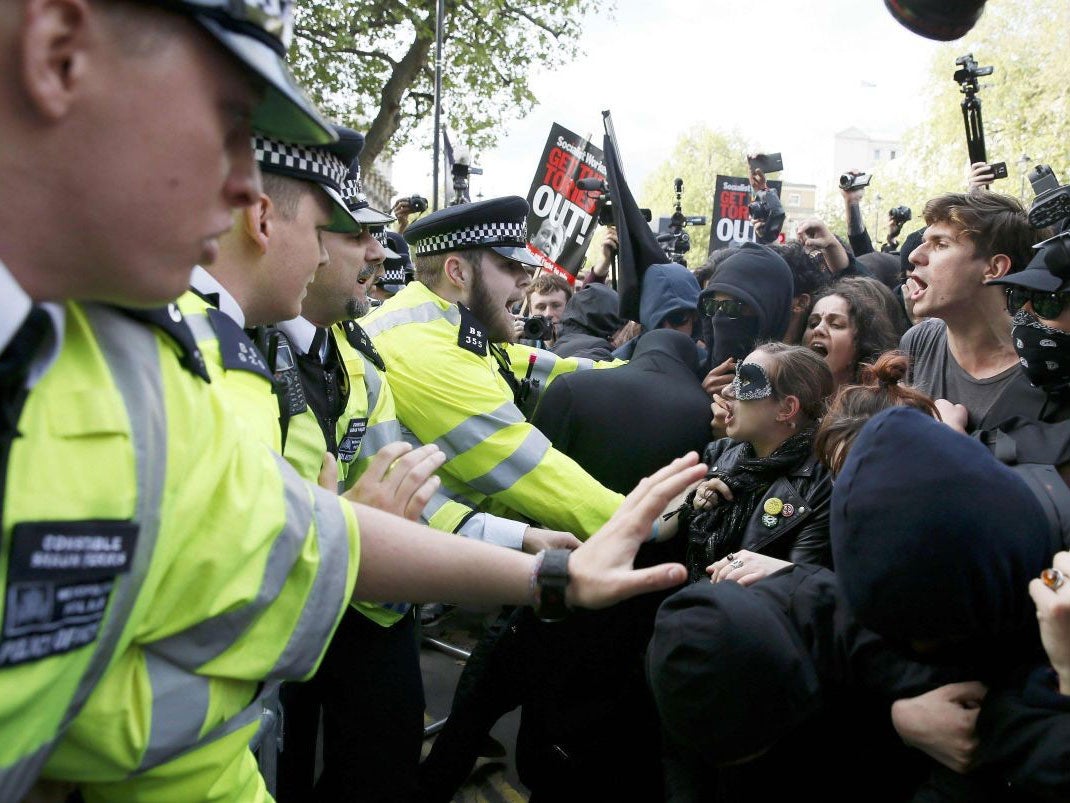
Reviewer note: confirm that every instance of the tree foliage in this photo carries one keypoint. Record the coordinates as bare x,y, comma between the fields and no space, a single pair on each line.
370,63
698,157
1025,108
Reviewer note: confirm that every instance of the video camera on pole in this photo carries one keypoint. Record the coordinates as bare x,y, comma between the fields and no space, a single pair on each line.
676,241
966,77
461,170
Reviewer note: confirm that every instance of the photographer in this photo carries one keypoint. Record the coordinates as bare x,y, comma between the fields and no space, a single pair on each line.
405,207
547,296
857,236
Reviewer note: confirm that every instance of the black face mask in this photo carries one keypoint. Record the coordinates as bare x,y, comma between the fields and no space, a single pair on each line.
733,337
1043,352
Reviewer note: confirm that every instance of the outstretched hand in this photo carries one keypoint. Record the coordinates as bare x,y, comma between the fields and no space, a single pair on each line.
601,570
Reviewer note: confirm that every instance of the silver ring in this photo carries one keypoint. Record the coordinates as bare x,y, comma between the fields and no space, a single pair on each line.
736,564
731,556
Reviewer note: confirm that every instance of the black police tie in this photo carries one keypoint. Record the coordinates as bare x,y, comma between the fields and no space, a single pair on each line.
15,366
315,351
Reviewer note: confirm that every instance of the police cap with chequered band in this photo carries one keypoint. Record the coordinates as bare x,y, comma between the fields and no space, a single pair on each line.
353,192
258,33
326,166
499,224
397,270
379,232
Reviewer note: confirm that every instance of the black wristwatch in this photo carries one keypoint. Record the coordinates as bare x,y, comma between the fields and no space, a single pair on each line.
551,579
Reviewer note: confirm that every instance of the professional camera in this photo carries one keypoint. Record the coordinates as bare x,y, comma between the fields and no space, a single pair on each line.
900,214
943,20
851,181
1051,207
417,203
767,210
462,169
675,240
538,327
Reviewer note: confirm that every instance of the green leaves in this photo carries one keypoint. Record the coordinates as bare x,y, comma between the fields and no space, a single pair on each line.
370,64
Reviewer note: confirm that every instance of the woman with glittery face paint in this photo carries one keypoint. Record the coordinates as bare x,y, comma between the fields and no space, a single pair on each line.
764,501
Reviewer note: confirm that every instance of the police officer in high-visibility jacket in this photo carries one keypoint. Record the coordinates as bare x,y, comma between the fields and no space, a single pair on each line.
157,566
369,685
455,383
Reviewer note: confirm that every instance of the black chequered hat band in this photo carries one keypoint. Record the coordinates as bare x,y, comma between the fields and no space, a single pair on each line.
314,164
488,234
353,193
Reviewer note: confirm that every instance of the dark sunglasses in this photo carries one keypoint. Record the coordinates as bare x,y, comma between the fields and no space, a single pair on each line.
1046,305
731,307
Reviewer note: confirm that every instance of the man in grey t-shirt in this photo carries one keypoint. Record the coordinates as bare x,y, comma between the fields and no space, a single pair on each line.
963,356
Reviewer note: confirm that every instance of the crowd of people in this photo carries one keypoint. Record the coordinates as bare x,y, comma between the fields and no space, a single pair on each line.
801,528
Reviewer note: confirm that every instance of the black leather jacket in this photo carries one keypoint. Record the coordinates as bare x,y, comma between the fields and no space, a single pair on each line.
801,538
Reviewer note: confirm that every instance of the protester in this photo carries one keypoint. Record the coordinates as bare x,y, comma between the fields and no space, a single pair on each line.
747,302
766,494
809,278
668,299
964,354
848,329
590,319
880,387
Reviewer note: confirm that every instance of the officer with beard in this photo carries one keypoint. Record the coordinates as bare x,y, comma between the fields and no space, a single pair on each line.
459,380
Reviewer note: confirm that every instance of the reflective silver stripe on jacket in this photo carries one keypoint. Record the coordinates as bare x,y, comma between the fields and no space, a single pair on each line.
504,475
247,716
210,638
326,599
133,357
181,697
421,313
477,428
180,701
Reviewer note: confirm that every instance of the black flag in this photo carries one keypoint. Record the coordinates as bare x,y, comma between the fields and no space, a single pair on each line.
639,247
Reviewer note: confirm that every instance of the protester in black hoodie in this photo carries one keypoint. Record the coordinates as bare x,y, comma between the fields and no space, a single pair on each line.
942,579
589,320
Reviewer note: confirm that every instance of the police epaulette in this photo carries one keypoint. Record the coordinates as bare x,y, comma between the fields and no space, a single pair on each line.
359,340
236,350
170,320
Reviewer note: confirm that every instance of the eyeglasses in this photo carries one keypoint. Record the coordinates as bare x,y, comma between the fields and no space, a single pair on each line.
1046,305
731,307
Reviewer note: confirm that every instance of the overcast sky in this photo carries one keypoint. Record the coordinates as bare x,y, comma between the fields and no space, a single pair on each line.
786,75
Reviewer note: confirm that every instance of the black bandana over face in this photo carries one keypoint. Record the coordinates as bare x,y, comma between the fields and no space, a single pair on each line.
1044,353
733,337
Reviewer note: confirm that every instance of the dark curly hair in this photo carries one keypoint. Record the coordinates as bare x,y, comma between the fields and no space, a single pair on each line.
874,332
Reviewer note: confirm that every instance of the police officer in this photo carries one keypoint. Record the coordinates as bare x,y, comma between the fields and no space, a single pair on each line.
145,606
458,386
369,685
